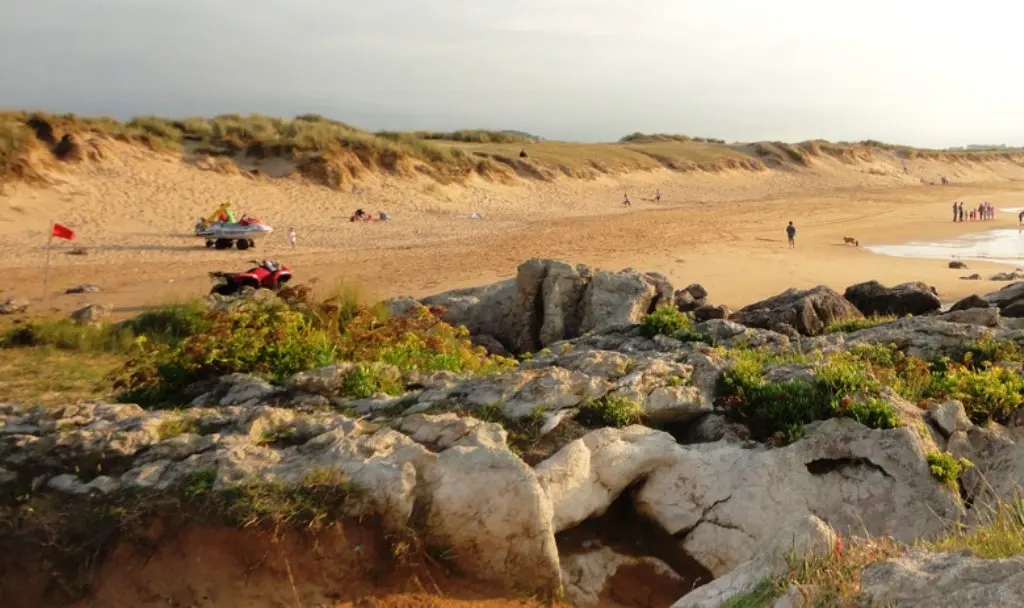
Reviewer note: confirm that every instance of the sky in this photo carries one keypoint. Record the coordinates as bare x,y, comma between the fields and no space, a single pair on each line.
928,73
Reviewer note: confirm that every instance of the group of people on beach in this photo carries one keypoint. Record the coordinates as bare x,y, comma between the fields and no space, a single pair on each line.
985,211
627,203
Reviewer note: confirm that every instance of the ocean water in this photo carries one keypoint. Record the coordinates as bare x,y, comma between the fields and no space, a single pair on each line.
1004,246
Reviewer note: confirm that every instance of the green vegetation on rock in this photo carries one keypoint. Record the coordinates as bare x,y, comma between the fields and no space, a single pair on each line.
946,468
852,325
670,321
610,410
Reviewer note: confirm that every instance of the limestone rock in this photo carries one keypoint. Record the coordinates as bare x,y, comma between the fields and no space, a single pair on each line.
708,312
806,538
808,311
585,476
972,301
856,478
549,301
950,417
874,299
93,313
945,581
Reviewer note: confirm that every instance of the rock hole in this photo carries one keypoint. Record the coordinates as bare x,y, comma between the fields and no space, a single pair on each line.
824,466
627,532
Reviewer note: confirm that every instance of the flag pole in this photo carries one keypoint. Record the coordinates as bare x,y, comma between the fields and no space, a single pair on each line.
46,269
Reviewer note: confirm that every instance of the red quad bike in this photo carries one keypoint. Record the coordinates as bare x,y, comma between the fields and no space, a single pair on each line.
264,275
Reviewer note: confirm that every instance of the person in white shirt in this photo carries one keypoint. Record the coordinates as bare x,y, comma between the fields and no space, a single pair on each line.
291,236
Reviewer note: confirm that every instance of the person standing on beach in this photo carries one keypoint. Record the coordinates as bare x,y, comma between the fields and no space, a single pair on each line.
625,200
791,235
956,211
657,195
291,237
961,211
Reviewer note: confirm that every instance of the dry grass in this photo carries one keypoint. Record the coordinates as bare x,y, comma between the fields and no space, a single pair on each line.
49,377
835,580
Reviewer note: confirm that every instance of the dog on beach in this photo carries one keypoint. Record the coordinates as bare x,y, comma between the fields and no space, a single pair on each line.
849,240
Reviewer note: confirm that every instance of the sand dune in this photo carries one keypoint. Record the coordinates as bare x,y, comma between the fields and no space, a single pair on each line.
134,208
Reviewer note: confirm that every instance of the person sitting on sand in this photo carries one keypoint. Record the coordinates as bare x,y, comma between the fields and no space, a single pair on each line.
359,216
791,235
384,216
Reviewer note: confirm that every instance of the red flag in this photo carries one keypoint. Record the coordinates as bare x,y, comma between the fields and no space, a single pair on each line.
63,232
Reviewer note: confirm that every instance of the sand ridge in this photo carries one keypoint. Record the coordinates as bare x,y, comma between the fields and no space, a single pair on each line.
134,209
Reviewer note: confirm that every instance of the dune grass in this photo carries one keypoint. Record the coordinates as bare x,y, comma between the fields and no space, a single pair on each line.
333,152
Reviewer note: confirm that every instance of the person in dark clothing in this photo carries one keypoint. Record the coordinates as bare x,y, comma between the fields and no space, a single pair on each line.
791,235
1020,218
956,211
961,211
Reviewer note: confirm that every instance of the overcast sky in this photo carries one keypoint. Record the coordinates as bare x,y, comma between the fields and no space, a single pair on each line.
921,72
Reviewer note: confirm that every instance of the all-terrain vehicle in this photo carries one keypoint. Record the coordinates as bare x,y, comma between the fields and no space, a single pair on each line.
263,275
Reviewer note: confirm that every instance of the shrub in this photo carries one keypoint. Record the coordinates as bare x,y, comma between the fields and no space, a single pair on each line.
946,468
170,324
275,342
988,393
610,410
365,380
666,321
977,354
909,376
271,342
842,387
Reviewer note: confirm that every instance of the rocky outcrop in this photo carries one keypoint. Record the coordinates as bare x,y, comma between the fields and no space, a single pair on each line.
808,537
808,311
854,478
973,301
1016,275
501,495
873,299
550,301
933,336
442,465
1009,299
945,581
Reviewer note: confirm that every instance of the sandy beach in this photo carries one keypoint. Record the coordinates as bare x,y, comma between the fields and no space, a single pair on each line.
134,210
